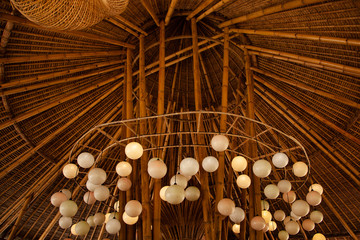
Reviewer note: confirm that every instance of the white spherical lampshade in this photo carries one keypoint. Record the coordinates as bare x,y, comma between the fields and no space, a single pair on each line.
210,164
257,223
175,194
101,193
262,168
266,215
271,191
308,225
99,218
66,192
90,221
272,226
219,143
162,192
123,169
129,220
300,169
82,228
300,208
238,215
226,206
313,198
90,186
124,184
243,181
319,236
65,222
294,216
73,232
236,228
68,208
70,170
89,198
112,215
279,215
85,160
133,208
57,198
264,205
134,150
157,169
179,180
317,188
280,160
316,216
289,197
266,228
292,227
287,219
283,235
189,166
284,186
239,163
192,193
113,226
97,176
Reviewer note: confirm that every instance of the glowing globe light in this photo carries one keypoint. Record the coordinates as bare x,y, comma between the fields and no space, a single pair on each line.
292,227
192,193
283,235
316,216
89,198
189,166
123,169
243,181
70,170
319,236
300,208
226,206
124,184
219,143
133,208
82,228
90,186
66,192
257,223
294,216
308,225
287,219
73,232
85,160
265,205
157,169
162,192
175,194
289,197
238,215
272,226
280,160
180,180
58,198
117,206
101,193
300,169
97,176
134,150
112,215
68,208
129,220
239,163
271,191
90,221
99,218
317,188
262,168
113,226
236,228
266,228
313,198
210,164
279,215
266,215
284,186
65,222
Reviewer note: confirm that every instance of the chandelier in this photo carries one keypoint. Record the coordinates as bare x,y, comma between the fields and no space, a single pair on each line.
100,164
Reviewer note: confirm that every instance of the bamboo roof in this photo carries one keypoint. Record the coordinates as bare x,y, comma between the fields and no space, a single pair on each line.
58,84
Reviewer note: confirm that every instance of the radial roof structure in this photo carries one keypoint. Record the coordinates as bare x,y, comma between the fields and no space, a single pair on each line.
57,84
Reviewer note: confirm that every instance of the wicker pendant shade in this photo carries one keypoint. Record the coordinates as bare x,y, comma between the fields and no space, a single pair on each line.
69,14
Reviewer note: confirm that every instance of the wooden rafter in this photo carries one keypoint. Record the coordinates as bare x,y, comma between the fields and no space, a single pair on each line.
212,9
170,11
151,11
202,6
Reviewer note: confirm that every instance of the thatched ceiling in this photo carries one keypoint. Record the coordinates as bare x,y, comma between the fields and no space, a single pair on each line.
56,85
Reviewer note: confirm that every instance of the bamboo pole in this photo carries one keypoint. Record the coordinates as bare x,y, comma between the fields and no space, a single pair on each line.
160,111
151,11
170,11
278,8
212,9
122,26
130,24
318,38
89,36
18,220
202,6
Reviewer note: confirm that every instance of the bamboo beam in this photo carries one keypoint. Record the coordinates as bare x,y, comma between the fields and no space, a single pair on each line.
122,26
89,36
130,24
212,9
170,11
18,220
308,88
202,6
277,8
310,37
151,11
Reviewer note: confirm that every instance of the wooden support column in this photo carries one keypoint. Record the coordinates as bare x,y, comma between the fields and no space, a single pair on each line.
18,220
160,111
201,154
146,214
224,105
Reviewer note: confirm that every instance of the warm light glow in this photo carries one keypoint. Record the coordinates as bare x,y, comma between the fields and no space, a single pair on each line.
243,181
236,228
134,150
58,198
266,215
189,166
180,180
123,169
133,208
239,163
70,170
157,169
272,226
300,169
280,160
162,193
192,193
210,164
219,143
129,220
262,168
283,235
319,236
317,188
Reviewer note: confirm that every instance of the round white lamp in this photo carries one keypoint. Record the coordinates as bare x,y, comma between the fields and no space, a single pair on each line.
210,164
134,150
65,222
289,197
192,193
272,226
90,186
124,184
284,186
226,206
157,169
123,169
279,215
97,176
243,181
300,208
179,180
133,208
99,218
308,225
189,166
313,198
101,193
238,215
257,223
70,170
300,169
219,143
89,198
292,227
283,235
85,160
316,216
262,168
264,205
129,220
316,187
66,192
280,160
68,208
319,236
271,191
113,226
236,228
175,194
58,198
266,215
239,163
90,221
82,228
162,193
